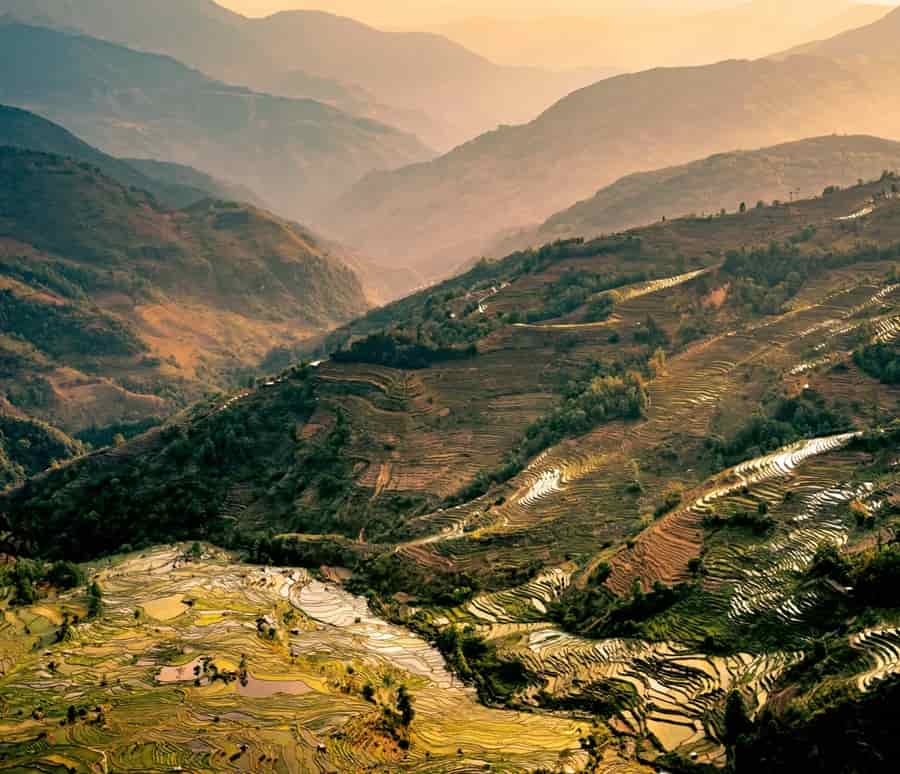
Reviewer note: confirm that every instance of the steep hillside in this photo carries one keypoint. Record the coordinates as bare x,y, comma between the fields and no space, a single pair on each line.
117,308
647,481
171,174
300,153
28,447
174,185
437,214
178,186
423,83
797,170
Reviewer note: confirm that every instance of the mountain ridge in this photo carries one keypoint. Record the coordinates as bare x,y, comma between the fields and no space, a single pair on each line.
120,309
436,214
177,186
470,95
128,103
799,169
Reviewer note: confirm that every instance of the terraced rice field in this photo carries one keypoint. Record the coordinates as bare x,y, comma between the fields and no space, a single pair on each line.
677,694
663,551
148,675
764,587
522,603
686,396
571,500
582,477
882,648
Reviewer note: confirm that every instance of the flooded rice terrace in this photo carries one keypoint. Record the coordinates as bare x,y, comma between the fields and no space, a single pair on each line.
211,665
330,604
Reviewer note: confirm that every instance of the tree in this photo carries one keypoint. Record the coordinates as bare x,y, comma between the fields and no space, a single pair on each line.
404,706
737,720
24,574
95,600
743,207
65,575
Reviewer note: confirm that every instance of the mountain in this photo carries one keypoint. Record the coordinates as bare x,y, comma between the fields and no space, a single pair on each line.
791,171
421,82
117,308
28,447
647,482
172,184
178,186
199,32
669,37
299,153
437,214
869,43
183,176
459,90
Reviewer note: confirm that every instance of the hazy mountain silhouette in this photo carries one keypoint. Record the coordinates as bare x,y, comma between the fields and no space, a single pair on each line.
419,81
298,153
438,213
173,184
798,170
670,37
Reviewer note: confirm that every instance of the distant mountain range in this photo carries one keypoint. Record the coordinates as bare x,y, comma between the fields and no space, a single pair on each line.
798,170
437,214
668,37
299,153
421,82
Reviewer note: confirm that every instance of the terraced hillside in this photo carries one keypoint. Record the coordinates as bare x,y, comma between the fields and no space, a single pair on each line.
210,665
116,308
648,482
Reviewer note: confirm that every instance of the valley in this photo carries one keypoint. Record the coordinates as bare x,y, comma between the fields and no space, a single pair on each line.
642,537
367,404
121,310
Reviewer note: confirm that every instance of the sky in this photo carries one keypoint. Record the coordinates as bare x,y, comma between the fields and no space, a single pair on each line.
429,12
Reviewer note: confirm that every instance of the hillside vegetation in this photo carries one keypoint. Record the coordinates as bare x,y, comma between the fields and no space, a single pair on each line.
116,308
28,447
649,479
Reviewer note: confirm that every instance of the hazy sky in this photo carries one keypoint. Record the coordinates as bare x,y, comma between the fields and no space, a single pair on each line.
412,12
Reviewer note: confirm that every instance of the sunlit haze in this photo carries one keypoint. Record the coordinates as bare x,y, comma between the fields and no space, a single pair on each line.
402,13
429,386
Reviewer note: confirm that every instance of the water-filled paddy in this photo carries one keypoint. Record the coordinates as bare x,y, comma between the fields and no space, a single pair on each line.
263,671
